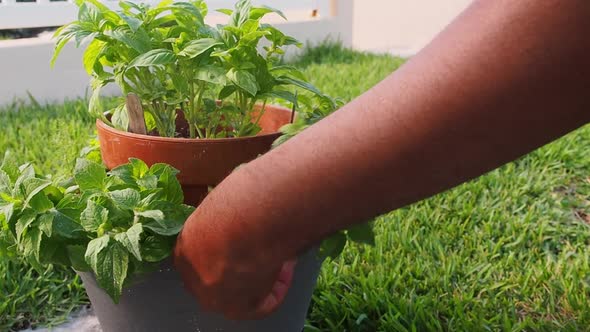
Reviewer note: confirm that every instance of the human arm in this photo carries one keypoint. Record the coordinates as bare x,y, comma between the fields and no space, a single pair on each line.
503,79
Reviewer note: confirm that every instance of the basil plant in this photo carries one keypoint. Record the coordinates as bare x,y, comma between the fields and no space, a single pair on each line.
168,56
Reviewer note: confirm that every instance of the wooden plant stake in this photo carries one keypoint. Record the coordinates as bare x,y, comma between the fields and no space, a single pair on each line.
136,118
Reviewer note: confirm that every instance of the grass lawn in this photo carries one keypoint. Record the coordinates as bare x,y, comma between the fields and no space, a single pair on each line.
509,251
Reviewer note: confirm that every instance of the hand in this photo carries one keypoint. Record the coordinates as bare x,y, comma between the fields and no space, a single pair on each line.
237,276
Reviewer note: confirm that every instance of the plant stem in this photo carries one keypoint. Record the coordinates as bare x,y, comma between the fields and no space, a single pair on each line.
199,100
191,127
262,110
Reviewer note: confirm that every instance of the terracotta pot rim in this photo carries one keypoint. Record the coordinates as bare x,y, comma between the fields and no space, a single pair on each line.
114,131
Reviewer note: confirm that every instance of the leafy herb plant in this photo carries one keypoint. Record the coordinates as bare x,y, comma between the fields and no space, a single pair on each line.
116,224
217,77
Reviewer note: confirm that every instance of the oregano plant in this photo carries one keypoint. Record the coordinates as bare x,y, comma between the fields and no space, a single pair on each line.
115,224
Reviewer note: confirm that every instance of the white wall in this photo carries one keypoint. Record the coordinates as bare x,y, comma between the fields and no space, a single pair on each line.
401,27
24,66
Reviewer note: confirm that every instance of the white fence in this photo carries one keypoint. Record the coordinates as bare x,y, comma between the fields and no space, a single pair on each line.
400,27
17,14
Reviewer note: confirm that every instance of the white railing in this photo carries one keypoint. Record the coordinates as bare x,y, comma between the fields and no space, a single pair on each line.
15,14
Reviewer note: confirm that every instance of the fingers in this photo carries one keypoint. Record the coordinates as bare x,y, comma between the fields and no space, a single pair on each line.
236,295
273,300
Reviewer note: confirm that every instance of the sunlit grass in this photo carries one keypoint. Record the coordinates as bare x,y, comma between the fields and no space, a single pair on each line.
508,251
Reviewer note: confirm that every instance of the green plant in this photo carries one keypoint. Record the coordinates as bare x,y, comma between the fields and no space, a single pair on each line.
116,224
173,61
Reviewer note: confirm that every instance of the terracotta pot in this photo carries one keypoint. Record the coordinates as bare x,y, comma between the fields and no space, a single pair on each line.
201,162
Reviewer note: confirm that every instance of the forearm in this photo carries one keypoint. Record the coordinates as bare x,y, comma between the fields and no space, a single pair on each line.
502,80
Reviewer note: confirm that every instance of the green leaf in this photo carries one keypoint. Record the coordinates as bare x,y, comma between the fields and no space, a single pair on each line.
155,221
258,12
40,202
128,5
76,256
110,261
133,22
226,92
150,121
126,199
180,83
169,219
82,37
138,40
31,246
88,12
149,197
99,5
7,242
304,85
333,246
198,46
362,233
26,172
156,248
23,223
53,193
241,13
153,58
279,94
89,175
7,211
139,167
33,186
63,35
95,104
92,54
120,118
288,71
95,246
250,26
5,183
65,223
53,252
46,223
168,182
148,182
10,166
130,240
253,37
225,11
244,80
211,74
125,173
188,8
156,215
93,216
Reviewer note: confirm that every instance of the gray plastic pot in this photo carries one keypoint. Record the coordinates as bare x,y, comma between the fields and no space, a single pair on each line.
159,302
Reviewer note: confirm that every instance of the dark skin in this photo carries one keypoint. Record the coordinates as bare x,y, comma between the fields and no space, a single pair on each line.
505,78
